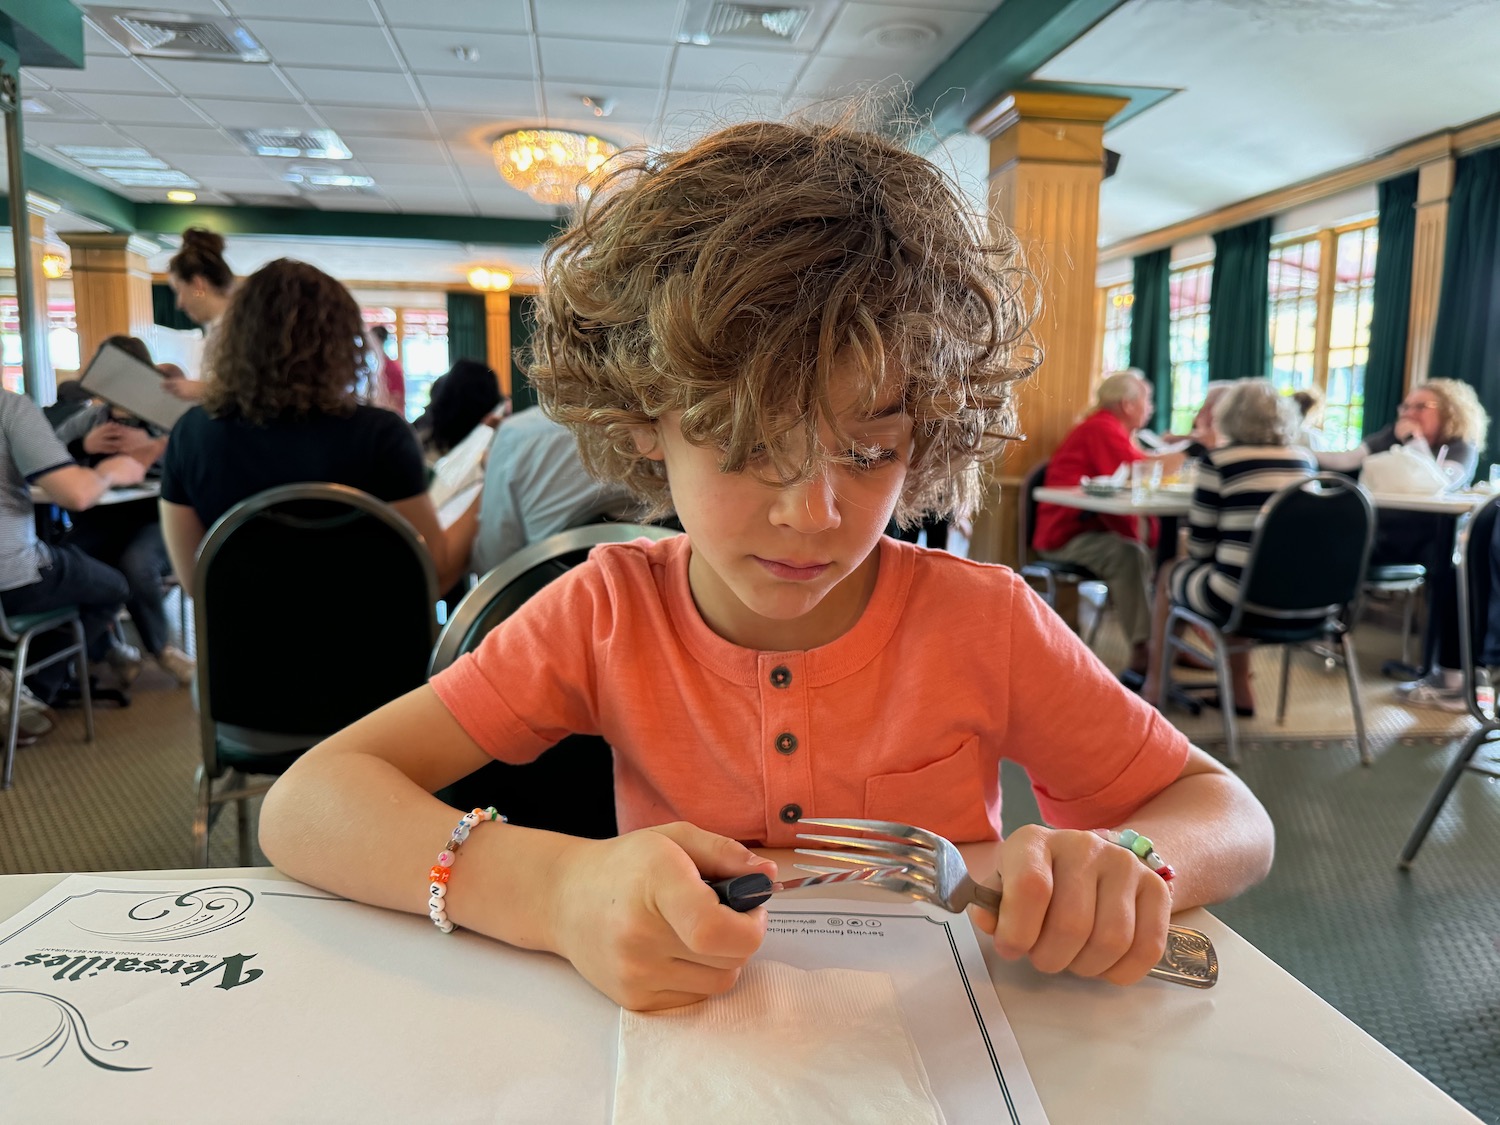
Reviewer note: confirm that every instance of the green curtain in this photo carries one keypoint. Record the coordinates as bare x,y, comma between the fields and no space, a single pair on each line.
1385,369
1239,314
1151,329
1466,338
522,321
468,337
164,310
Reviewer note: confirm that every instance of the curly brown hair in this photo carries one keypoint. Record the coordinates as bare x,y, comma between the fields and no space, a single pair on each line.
725,280
292,342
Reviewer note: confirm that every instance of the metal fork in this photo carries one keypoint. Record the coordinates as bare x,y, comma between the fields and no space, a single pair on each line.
935,872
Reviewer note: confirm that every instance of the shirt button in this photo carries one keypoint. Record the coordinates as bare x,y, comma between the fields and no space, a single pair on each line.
786,743
781,676
791,814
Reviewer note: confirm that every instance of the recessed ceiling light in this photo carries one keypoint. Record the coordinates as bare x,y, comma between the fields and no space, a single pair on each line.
181,196
466,54
149,177
901,35
327,178
310,144
97,156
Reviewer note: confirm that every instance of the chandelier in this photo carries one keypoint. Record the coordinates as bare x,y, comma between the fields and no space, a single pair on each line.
550,165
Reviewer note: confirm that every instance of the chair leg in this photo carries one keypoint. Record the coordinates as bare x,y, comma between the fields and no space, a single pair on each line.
1407,607
1451,775
1226,700
204,785
1094,621
1351,673
1286,676
85,690
13,726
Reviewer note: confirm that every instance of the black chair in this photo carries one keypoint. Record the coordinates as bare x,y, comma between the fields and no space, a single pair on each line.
1307,559
314,607
1472,558
1050,574
16,634
1407,580
570,788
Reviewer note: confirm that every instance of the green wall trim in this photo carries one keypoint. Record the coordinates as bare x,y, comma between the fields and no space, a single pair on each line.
47,32
1141,98
1017,39
82,197
173,218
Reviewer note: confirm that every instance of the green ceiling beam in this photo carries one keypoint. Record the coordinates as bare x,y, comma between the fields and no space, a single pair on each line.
45,32
174,218
1016,41
1140,98
82,197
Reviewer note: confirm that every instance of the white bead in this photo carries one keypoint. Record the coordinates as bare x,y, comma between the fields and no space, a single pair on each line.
445,925
435,904
437,890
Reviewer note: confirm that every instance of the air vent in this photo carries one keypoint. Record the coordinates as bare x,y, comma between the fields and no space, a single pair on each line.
767,25
313,144
129,167
177,35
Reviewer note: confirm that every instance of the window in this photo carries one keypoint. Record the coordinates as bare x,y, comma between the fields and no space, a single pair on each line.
62,339
1118,300
1321,289
419,339
1189,289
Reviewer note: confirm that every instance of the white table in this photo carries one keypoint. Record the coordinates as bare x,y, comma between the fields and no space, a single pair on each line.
1171,503
1258,1047
146,490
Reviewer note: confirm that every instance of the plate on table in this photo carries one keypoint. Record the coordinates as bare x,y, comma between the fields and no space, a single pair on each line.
1101,486
1178,486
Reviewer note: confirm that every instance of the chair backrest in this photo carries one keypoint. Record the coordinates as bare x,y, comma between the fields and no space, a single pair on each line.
570,788
1473,558
314,607
1308,553
1026,511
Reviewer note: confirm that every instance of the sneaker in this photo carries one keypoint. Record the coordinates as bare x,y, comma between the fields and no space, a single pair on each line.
36,717
1425,693
126,661
178,663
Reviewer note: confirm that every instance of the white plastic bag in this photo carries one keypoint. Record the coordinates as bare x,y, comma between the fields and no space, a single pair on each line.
1402,471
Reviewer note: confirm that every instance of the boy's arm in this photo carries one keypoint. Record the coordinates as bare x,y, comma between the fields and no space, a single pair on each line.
355,815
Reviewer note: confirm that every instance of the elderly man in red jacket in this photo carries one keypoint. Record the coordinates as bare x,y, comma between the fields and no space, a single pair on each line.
1108,545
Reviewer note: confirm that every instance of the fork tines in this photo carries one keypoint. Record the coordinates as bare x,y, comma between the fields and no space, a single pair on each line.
863,852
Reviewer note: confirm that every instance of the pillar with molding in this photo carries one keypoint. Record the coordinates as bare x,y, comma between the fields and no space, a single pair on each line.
1046,165
497,329
1434,186
111,287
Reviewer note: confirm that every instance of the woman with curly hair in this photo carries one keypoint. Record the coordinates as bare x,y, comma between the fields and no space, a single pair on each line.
281,406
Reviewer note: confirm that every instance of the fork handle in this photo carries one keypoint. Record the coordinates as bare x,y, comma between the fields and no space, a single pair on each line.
1190,957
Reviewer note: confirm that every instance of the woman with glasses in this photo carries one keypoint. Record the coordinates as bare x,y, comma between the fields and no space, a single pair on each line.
1441,417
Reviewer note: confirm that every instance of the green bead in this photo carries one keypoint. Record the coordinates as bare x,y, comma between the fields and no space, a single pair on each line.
1127,837
1142,846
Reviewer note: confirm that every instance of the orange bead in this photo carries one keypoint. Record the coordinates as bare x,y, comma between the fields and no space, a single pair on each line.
440,874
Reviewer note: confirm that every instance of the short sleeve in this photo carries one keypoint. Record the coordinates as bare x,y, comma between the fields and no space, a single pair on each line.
400,470
182,448
34,448
533,679
1094,751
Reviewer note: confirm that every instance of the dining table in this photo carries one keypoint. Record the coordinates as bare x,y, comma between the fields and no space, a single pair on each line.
1256,1047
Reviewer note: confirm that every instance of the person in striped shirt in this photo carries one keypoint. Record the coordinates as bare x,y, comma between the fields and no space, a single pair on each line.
1256,426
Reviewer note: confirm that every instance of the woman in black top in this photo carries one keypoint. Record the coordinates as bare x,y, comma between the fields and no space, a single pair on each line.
281,406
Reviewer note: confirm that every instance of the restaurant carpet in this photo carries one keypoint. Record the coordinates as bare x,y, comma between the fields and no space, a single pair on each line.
1412,958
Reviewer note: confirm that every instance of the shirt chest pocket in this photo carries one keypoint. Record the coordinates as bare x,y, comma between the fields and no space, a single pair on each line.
950,796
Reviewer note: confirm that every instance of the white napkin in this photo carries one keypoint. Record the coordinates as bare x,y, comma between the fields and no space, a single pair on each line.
784,1045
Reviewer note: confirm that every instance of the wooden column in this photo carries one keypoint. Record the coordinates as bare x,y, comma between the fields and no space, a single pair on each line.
111,287
1046,164
497,334
1434,186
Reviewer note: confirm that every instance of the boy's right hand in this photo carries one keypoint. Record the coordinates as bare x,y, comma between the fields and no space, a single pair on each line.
635,917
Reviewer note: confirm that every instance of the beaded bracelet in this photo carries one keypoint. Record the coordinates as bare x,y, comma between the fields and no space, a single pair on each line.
437,889
1143,848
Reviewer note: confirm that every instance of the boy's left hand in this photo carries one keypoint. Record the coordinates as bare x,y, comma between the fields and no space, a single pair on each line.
1072,900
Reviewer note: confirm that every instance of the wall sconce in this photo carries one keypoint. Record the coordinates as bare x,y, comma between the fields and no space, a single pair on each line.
490,281
54,266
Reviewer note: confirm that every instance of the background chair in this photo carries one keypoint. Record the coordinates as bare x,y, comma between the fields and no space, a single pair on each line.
1307,561
313,607
1050,574
570,788
1407,580
1472,555
16,635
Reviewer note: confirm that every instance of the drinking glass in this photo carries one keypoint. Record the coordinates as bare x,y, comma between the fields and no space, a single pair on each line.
1145,478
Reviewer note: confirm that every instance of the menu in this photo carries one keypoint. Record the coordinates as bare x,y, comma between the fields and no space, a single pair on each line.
257,1000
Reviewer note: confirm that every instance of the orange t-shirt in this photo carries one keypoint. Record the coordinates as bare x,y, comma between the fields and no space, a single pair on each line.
953,666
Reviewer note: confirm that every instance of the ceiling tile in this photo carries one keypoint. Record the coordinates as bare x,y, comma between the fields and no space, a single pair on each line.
324,44
474,131
431,52
854,34
334,11
392,173
650,21
826,74
501,96
97,43
163,139
223,80
631,103
338,202
264,186
414,197
354,87
387,149
469,15
113,75
603,60
133,109
376,122
54,133
59,107
705,111
719,68
214,167
257,115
